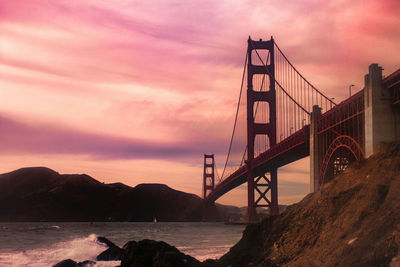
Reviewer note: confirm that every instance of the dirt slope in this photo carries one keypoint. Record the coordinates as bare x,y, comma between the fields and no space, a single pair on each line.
353,221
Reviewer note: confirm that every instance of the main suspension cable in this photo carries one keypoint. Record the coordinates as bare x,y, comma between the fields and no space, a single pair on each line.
236,116
312,86
287,94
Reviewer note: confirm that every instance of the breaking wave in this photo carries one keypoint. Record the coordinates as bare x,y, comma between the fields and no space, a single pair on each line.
79,249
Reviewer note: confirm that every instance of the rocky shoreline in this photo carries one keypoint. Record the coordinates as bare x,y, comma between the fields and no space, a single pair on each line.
143,253
354,220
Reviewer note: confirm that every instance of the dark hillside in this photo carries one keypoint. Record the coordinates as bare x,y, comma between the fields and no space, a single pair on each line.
41,194
160,201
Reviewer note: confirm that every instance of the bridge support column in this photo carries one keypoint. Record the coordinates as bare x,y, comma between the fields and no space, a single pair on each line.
274,208
266,187
254,95
251,209
208,174
379,117
314,150
208,185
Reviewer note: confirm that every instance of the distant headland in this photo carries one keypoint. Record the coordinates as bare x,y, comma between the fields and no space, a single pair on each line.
42,194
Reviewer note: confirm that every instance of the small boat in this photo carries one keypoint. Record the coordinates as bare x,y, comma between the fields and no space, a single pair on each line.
154,220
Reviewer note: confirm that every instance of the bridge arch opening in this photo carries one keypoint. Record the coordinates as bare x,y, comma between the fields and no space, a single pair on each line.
341,152
261,82
263,54
261,144
261,112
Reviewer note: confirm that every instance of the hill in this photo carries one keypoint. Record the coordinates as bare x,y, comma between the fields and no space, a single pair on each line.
41,194
353,221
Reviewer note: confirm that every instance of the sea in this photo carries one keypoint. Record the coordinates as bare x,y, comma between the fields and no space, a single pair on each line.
45,244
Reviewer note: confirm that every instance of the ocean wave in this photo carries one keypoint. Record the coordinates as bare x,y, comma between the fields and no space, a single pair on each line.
46,227
79,249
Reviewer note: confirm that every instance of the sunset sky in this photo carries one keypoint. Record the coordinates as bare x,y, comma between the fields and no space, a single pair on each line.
138,91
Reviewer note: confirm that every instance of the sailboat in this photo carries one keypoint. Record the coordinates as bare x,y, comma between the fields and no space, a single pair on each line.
154,219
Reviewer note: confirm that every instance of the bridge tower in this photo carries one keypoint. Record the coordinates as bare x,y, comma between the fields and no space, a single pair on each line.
208,174
259,180
209,210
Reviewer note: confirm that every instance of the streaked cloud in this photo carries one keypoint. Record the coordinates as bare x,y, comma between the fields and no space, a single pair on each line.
19,138
159,80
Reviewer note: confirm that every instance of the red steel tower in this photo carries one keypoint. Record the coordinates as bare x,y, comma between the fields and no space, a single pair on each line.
262,181
208,174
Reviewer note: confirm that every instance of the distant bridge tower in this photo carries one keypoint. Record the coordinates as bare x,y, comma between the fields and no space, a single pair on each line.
208,174
258,180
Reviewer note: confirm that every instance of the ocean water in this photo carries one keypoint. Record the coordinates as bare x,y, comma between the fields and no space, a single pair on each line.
45,244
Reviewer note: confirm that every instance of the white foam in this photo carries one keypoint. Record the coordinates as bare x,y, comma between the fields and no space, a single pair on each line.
79,249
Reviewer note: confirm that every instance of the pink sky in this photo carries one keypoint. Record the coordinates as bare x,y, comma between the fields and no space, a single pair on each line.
137,91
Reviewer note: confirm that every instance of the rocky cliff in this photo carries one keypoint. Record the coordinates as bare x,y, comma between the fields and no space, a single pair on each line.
353,221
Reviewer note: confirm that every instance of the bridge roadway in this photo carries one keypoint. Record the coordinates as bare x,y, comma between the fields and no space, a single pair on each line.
292,148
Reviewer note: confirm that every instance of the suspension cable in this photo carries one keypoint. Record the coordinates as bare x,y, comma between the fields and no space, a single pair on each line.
236,116
262,84
312,86
282,89
216,171
291,98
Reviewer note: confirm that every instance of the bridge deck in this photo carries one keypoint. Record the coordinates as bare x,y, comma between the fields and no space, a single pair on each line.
293,148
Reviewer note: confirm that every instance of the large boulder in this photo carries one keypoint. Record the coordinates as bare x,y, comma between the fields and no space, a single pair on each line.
72,263
113,253
105,241
155,254
86,263
66,263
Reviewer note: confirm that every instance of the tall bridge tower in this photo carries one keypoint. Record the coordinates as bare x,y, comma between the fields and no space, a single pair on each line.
307,122
261,182
208,174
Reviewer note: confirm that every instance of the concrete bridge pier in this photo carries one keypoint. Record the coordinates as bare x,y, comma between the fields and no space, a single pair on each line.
380,119
314,149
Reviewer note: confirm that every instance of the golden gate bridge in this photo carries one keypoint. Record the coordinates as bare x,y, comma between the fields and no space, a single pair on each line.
287,119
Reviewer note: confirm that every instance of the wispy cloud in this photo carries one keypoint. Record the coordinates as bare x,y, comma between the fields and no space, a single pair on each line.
20,138
160,79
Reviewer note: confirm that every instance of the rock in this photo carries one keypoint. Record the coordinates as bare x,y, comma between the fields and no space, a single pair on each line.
66,263
111,254
395,262
105,241
71,263
156,254
209,263
352,221
86,264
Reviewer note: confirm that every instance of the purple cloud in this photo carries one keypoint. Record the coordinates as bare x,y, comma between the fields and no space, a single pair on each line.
47,139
